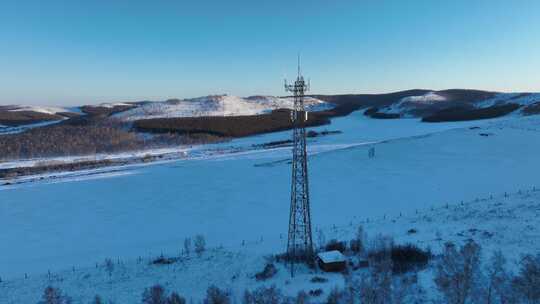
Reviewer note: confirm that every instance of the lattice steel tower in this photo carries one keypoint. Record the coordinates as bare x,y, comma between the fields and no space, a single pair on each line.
299,244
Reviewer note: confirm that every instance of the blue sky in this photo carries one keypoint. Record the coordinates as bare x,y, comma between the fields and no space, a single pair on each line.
75,52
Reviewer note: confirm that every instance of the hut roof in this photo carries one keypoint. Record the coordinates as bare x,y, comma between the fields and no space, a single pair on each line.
333,256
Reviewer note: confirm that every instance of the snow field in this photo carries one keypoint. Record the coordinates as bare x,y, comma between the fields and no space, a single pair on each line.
39,109
508,222
232,201
217,105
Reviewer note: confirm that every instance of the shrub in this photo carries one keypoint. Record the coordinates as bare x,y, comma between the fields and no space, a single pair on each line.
187,246
174,298
321,239
458,272
312,133
97,300
214,295
109,266
335,245
359,242
52,295
355,246
269,271
409,257
497,287
527,281
379,286
154,295
336,296
301,298
200,244
404,258
263,295
300,258
318,280
163,261
380,250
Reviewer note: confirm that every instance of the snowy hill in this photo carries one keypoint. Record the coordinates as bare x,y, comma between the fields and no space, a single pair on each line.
38,109
26,116
489,221
237,196
215,105
206,194
523,99
434,101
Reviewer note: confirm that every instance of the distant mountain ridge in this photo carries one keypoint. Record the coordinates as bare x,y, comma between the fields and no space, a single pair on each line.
421,103
16,115
444,105
215,105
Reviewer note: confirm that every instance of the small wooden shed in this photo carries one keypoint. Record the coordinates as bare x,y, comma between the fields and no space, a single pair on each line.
331,261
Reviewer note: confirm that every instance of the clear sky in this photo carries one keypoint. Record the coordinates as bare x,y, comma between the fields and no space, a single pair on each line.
73,52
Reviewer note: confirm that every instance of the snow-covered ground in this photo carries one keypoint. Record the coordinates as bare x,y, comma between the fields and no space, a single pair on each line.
406,104
39,109
523,99
215,105
113,104
507,222
410,103
178,152
242,196
427,98
12,130
190,276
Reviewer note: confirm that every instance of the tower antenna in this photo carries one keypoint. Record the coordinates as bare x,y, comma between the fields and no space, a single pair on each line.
299,73
299,243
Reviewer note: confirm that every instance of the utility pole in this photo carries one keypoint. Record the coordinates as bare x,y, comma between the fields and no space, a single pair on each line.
299,244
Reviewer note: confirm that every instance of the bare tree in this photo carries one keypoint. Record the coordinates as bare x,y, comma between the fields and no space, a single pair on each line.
187,246
381,243
336,296
376,286
302,298
496,287
458,272
369,290
109,266
215,295
175,298
405,289
52,295
263,295
200,244
527,282
321,239
97,300
361,238
154,295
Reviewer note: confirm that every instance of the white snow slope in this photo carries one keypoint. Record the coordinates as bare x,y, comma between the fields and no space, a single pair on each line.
12,130
39,109
523,99
507,222
406,104
215,105
427,98
234,198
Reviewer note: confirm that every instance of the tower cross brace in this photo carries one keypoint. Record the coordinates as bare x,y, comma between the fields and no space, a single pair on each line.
299,243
